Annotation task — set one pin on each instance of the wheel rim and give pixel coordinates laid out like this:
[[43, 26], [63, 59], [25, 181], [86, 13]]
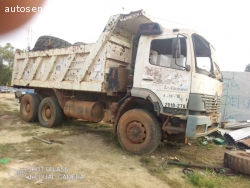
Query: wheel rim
[[46, 113], [136, 132], [27, 107]]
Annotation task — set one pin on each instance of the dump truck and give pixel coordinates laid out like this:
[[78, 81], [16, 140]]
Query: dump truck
[[150, 83]]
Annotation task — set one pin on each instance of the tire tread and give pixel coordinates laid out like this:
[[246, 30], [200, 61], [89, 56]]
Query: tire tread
[[49, 42], [156, 130]]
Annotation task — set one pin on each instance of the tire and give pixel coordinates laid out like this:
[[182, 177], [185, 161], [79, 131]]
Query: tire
[[238, 161], [49, 113], [142, 122], [49, 42], [29, 107], [41, 97], [78, 43]]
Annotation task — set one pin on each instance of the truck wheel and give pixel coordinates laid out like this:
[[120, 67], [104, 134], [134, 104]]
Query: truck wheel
[[29, 107], [139, 131], [238, 161], [49, 42], [50, 113]]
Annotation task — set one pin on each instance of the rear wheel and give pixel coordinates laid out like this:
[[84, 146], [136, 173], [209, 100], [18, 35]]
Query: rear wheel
[[50, 113], [29, 107], [139, 131]]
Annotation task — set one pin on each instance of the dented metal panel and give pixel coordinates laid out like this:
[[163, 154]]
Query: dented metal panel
[[170, 85]]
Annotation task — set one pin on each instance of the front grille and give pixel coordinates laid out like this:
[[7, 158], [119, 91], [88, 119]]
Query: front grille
[[211, 105]]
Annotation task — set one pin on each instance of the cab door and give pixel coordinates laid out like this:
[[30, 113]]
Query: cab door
[[206, 78], [158, 71]]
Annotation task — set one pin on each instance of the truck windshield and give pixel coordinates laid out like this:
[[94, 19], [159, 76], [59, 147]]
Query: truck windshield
[[161, 53]]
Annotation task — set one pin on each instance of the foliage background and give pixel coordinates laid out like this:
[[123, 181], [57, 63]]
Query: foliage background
[[7, 53]]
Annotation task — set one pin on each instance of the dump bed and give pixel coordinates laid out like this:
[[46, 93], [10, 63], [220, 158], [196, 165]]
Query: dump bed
[[85, 67]]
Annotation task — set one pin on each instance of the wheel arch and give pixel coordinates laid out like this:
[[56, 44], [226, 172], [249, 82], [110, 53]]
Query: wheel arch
[[148, 95]]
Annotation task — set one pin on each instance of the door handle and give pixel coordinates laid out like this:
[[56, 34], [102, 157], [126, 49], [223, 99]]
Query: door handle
[[148, 79]]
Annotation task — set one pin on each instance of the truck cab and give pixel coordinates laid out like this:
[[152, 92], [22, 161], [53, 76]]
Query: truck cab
[[185, 82]]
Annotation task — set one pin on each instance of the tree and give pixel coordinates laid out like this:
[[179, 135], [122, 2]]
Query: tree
[[7, 54], [247, 69]]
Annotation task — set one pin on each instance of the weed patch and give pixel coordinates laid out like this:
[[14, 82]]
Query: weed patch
[[210, 179], [159, 170], [5, 149]]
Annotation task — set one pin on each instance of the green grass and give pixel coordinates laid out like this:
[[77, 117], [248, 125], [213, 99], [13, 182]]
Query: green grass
[[199, 142], [201, 178], [30, 127], [159, 170], [28, 134], [39, 150], [2, 106], [77, 127], [210, 179], [5, 149], [9, 113], [146, 161]]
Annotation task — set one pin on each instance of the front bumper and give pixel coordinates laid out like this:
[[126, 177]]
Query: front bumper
[[201, 125]]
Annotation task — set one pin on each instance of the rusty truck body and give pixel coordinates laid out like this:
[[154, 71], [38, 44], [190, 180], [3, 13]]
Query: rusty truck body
[[151, 83]]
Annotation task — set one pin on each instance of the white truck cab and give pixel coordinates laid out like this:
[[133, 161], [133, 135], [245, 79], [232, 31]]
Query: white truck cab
[[187, 85]]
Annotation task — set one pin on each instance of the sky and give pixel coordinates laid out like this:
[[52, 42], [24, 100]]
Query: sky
[[224, 23]]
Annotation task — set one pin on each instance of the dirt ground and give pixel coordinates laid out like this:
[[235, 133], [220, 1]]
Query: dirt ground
[[86, 155]]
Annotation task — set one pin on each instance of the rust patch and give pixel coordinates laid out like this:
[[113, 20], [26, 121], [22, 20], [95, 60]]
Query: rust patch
[[121, 111], [91, 111], [136, 132], [172, 78]]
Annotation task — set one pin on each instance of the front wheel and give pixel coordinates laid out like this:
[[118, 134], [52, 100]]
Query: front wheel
[[139, 131], [50, 113]]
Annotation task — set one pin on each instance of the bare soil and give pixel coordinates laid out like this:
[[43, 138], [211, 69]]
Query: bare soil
[[95, 156], [88, 155]]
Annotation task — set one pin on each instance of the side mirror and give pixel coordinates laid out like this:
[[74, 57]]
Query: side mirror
[[176, 50]]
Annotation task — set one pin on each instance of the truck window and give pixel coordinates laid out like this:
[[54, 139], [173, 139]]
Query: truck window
[[202, 55], [161, 53]]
